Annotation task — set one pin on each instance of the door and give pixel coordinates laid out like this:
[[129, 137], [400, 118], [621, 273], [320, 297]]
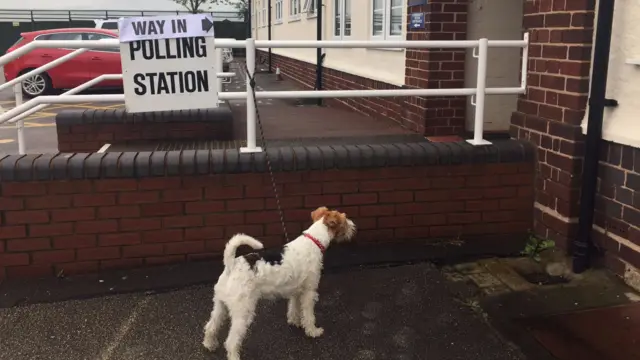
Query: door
[[70, 73], [104, 61]]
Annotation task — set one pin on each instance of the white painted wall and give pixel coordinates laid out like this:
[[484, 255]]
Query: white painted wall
[[386, 65], [495, 20], [621, 124]]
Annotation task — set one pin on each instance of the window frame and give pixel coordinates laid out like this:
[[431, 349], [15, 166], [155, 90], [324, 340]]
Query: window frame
[[311, 10], [104, 36], [278, 11], [295, 5], [342, 4], [47, 37], [263, 12], [386, 22]]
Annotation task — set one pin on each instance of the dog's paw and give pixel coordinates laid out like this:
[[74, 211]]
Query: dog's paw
[[314, 332], [210, 344], [294, 322]]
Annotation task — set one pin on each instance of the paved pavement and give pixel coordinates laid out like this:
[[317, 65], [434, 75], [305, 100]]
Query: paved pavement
[[405, 312], [301, 118]]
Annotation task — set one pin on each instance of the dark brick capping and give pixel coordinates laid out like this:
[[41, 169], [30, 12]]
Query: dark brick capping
[[34, 167], [120, 116], [88, 130], [73, 213]]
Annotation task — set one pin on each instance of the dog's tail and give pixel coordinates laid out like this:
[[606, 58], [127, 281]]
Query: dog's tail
[[233, 244]]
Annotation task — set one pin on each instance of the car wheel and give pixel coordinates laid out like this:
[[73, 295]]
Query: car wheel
[[36, 85]]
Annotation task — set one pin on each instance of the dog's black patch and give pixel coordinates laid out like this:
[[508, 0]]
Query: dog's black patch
[[272, 256]]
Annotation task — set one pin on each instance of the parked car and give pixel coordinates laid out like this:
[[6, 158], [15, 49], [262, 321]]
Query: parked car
[[74, 72], [107, 24], [71, 73]]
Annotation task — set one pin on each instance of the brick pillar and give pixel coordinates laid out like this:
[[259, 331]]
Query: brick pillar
[[551, 112], [437, 69]]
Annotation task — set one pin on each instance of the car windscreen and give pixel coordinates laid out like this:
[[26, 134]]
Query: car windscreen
[[110, 25]]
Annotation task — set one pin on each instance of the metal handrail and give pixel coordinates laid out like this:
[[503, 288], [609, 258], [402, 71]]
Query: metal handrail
[[477, 94]]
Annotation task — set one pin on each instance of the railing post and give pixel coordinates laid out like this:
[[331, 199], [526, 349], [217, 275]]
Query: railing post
[[525, 63], [481, 86], [251, 100], [219, 68], [22, 146]]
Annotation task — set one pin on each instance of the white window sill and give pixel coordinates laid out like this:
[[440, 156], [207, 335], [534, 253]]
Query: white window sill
[[312, 16], [277, 22], [294, 18]]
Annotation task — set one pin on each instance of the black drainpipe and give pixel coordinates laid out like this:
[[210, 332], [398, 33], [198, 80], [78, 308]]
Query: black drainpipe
[[248, 19], [269, 31], [582, 244], [319, 57]]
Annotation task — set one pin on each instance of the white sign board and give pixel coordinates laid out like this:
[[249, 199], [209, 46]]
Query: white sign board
[[165, 27], [166, 72]]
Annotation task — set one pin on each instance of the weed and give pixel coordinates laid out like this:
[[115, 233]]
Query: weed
[[535, 246]]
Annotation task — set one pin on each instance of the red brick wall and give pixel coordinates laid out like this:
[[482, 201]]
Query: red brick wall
[[551, 112], [617, 218], [91, 137], [438, 68], [81, 226], [305, 74]]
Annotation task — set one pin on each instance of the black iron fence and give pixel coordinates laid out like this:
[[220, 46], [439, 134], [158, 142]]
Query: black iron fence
[[228, 24]]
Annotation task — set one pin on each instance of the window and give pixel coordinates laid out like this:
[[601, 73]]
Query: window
[[278, 11], [295, 8], [60, 36], [386, 19], [265, 19], [310, 7], [99, 36], [341, 18]]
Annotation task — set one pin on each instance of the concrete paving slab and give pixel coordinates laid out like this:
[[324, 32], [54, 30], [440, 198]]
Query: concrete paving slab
[[404, 312]]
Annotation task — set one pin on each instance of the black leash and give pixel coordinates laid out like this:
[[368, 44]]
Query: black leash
[[252, 82]]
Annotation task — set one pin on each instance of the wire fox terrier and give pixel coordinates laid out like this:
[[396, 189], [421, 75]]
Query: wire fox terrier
[[292, 273]]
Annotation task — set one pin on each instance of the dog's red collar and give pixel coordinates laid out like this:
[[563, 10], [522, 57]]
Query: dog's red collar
[[315, 241]]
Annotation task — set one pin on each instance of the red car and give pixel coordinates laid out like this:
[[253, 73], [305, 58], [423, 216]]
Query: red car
[[71, 73]]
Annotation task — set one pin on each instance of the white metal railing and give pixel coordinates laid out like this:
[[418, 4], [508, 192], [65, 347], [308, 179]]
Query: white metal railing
[[481, 48]]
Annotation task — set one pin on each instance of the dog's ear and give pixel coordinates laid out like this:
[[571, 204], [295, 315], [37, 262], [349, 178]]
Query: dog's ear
[[318, 213]]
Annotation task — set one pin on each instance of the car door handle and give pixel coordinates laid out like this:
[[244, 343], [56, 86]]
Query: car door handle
[[96, 58], [47, 56]]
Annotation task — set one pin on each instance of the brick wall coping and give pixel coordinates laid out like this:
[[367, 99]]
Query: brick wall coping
[[70, 166], [120, 116]]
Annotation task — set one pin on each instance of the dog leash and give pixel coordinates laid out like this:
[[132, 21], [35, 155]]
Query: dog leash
[[252, 82]]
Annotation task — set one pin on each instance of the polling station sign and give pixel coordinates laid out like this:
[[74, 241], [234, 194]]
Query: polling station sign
[[164, 68], [165, 27]]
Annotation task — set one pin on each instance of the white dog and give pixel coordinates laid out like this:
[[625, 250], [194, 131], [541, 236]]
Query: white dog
[[293, 273]]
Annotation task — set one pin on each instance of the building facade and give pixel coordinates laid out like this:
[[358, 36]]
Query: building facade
[[552, 114], [389, 68]]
